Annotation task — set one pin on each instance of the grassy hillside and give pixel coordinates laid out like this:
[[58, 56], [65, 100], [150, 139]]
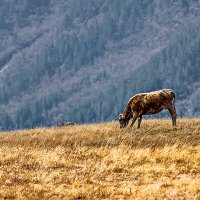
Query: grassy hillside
[[101, 161]]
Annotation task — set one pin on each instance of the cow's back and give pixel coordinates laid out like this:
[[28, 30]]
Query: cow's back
[[152, 102]]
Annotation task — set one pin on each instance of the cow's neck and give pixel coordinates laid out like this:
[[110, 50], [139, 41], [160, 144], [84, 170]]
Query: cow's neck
[[127, 112]]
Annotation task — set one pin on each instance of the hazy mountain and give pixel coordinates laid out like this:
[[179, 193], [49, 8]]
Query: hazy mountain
[[75, 60]]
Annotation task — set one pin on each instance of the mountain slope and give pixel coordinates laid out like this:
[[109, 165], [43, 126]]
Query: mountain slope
[[77, 61]]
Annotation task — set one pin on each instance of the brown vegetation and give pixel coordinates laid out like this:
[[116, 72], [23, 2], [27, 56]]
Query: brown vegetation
[[102, 161]]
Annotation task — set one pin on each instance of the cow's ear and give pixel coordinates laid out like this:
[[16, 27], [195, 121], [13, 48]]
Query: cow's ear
[[121, 116]]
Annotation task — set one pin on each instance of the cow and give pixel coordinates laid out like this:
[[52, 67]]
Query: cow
[[146, 104]]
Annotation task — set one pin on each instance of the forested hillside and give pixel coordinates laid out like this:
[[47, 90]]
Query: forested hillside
[[81, 61]]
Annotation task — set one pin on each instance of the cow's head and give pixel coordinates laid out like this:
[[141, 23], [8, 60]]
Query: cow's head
[[123, 121]]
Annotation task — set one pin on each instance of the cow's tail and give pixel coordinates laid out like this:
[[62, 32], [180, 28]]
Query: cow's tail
[[173, 94]]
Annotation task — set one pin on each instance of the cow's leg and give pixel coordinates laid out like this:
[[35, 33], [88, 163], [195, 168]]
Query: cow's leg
[[139, 121], [134, 119], [173, 114]]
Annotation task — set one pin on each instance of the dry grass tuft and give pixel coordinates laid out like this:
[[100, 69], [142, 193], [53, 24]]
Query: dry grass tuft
[[101, 161]]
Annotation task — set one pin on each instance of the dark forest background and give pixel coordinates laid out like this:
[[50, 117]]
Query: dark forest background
[[80, 61]]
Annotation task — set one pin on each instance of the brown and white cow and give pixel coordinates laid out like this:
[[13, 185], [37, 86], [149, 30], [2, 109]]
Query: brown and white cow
[[148, 103]]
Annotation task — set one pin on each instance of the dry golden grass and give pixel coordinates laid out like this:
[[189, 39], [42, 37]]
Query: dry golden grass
[[101, 161]]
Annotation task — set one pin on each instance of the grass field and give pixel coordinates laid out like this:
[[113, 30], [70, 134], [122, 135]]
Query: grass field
[[101, 161]]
